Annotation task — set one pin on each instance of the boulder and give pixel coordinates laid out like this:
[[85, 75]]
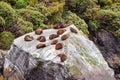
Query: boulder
[[82, 59]]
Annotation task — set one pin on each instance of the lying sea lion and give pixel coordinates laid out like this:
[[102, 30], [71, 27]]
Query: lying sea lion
[[28, 38], [65, 36], [73, 30], [39, 31], [54, 42], [40, 46], [52, 36], [63, 57], [64, 25], [41, 39], [61, 31], [59, 46], [56, 26]]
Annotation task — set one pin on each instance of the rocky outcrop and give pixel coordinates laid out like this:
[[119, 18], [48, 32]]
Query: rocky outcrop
[[109, 46], [75, 58]]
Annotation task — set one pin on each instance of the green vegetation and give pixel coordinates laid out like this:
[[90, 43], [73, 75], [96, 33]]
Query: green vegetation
[[6, 39], [23, 16]]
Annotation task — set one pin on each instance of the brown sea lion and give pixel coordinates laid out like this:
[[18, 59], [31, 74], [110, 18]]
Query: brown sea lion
[[28, 38], [59, 46], [64, 25], [40, 46], [73, 30], [52, 36], [63, 57], [56, 26], [61, 31], [54, 42], [41, 39], [65, 36], [39, 31]]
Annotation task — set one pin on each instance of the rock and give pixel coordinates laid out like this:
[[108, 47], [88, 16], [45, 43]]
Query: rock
[[81, 59], [109, 46]]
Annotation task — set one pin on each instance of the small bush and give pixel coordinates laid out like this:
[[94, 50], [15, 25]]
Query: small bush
[[7, 13], [6, 39], [2, 21], [21, 4], [105, 2], [72, 18], [35, 17]]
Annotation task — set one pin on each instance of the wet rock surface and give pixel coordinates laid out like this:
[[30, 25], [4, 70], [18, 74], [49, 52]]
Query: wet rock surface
[[77, 59], [109, 46]]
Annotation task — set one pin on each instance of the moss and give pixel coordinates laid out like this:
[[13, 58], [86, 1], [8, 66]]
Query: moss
[[89, 59], [72, 18], [74, 69], [7, 13], [6, 39]]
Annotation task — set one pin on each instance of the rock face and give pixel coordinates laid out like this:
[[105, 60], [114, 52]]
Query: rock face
[[109, 46], [82, 59]]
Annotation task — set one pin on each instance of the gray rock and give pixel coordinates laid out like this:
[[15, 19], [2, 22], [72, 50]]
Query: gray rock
[[84, 61]]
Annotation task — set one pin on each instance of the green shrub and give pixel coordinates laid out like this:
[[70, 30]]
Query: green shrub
[[21, 4], [94, 25], [35, 17], [33, 2], [72, 18], [2, 21], [80, 6], [6, 39], [105, 2], [7, 13]]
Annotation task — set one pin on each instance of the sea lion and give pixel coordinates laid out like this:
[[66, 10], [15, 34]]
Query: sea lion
[[39, 31], [52, 36], [41, 39], [54, 42], [64, 25], [59, 46], [28, 38], [40, 46], [56, 26], [63, 57], [73, 30], [61, 31], [65, 36]]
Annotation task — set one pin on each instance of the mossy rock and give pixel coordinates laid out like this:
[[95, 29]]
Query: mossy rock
[[6, 39]]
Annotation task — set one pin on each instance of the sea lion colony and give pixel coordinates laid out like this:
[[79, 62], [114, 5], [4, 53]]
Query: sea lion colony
[[55, 42]]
